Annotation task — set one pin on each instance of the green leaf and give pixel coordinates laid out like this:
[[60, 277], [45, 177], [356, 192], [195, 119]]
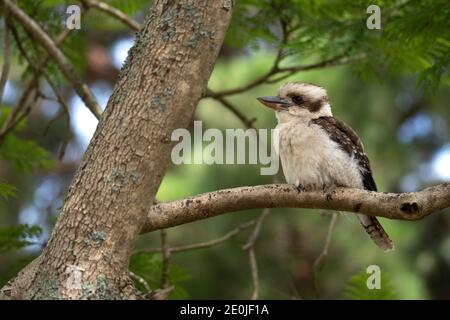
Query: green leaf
[[7, 190], [413, 38], [24, 154], [150, 266], [357, 289], [17, 237], [130, 7]]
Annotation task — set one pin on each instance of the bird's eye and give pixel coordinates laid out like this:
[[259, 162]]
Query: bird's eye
[[297, 99]]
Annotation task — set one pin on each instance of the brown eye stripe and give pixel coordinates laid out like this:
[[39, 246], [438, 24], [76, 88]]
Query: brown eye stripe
[[313, 106]]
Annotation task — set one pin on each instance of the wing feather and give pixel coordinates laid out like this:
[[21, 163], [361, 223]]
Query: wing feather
[[349, 141]]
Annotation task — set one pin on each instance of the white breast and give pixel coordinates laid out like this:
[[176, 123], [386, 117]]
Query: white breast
[[312, 160]]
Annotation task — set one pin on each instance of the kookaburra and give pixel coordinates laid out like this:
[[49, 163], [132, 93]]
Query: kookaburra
[[320, 152]]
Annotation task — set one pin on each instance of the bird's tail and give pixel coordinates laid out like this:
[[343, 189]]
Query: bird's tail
[[376, 232]]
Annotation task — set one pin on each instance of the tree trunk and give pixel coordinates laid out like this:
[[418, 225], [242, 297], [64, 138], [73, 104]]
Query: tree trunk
[[164, 77]]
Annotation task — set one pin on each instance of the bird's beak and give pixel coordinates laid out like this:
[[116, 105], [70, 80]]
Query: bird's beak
[[275, 103]]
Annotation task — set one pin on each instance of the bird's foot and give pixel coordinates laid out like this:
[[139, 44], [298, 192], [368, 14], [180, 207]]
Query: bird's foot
[[301, 188], [329, 192], [329, 196]]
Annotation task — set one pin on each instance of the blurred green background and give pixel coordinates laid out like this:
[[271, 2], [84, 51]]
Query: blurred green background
[[401, 112]]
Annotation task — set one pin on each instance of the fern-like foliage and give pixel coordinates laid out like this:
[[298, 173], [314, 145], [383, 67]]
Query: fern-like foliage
[[357, 289], [6, 190], [414, 36], [17, 237], [150, 266], [24, 154]]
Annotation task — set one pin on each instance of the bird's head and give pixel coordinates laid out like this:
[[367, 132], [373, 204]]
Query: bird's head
[[296, 99]]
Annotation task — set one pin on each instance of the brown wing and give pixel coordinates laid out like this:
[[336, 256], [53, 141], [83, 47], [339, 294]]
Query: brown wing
[[349, 141]]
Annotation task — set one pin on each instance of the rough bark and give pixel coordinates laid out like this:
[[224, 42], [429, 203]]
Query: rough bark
[[165, 75], [401, 206]]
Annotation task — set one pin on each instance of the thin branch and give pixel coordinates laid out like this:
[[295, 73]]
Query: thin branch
[[166, 256], [28, 105], [258, 81], [140, 280], [250, 248], [6, 57], [254, 272], [59, 98], [44, 73], [21, 103], [114, 12], [324, 253], [160, 294], [269, 77], [248, 123], [207, 244], [326, 247], [401, 206], [57, 55], [251, 241], [262, 79], [336, 61]]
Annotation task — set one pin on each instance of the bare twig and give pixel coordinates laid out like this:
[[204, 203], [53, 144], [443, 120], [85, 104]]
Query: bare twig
[[63, 63], [28, 88], [59, 98], [140, 280], [207, 244], [262, 79], [401, 206], [251, 241], [254, 272], [336, 61], [248, 123], [6, 56], [324, 253], [166, 256], [250, 248], [35, 100], [160, 294], [326, 247], [277, 73], [114, 12]]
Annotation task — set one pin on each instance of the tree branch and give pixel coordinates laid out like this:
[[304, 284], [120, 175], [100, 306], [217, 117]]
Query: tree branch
[[63, 63], [250, 248], [269, 77], [114, 12], [402, 206], [336, 61], [248, 123], [6, 57], [254, 271], [324, 253], [59, 99], [166, 256], [22, 102], [140, 280], [207, 244]]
